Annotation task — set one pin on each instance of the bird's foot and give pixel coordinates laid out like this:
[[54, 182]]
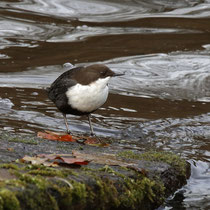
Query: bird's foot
[[93, 135], [69, 132]]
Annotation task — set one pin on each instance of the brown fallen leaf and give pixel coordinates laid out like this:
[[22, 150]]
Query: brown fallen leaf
[[55, 136], [43, 135], [33, 160], [94, 141], [76, 161], [78, 158], [10, 149], [50, 135], [54, 160], [91, 140]]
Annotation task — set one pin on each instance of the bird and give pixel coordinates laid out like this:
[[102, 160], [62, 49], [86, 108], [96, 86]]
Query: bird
[[81, 91]]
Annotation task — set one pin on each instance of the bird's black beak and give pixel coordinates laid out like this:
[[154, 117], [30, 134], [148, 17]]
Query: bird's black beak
[[116, 74]]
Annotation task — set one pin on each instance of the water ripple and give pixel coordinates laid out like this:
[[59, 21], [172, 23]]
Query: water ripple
[[173, 76], [26, 33], [82, 32], [104, 11]]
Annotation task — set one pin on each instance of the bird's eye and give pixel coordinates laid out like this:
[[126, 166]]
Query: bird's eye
[[103, 73]]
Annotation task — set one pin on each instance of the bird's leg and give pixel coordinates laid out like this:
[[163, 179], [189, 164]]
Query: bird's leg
[[91, 127], [66, 123]]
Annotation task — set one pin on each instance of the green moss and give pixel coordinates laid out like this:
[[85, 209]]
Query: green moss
[[166, 157], [36, 189], [128, 154], [14, 183], [47, 172], [107, 169], [33, 197], [79, 193], [138, 190], [24, 179], [34, 192], [169, 158], [9, 166], [105, 187], [63, 194], [132, 194], [74, 194], [121, 192], [38, 181], [34, 166], [135, 191], [8, 200], [24, 141], [107, 194], [1, 203]]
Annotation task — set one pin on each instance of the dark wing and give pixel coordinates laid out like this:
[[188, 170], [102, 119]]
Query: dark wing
[[57, 93], [59, 88], [61, 84]]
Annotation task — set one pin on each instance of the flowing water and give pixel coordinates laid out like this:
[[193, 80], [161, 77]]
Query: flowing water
[[162, 46]]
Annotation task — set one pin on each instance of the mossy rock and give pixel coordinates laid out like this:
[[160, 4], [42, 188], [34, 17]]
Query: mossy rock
[[94, 186], [156, 175], [8, 200]]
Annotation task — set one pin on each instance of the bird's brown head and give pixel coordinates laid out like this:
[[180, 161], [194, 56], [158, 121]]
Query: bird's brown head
[[93, 72]]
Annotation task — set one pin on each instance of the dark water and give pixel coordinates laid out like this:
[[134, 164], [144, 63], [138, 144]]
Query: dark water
[[162, 46]]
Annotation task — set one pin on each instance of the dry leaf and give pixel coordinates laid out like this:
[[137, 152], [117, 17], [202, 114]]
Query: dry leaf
[[50, 135], [54, 160], [55, 136], [94, 141], [33, 160], [76, 161], [10, 149]]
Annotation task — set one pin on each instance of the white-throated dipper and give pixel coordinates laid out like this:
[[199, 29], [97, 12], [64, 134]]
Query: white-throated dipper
[[81, 91]]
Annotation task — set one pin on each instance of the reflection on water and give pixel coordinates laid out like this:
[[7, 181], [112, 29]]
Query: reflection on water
[[169, 76], [173, 76], [195, 195], [108, 11], [161, 102], [197, 190]]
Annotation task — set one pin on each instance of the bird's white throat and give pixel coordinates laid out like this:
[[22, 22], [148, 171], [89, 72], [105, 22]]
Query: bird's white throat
[[87, 98]]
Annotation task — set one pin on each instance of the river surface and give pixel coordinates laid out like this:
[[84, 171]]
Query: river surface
[[162, 102]]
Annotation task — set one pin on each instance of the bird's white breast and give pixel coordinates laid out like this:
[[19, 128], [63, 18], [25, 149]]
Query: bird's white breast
[[87, 98]]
